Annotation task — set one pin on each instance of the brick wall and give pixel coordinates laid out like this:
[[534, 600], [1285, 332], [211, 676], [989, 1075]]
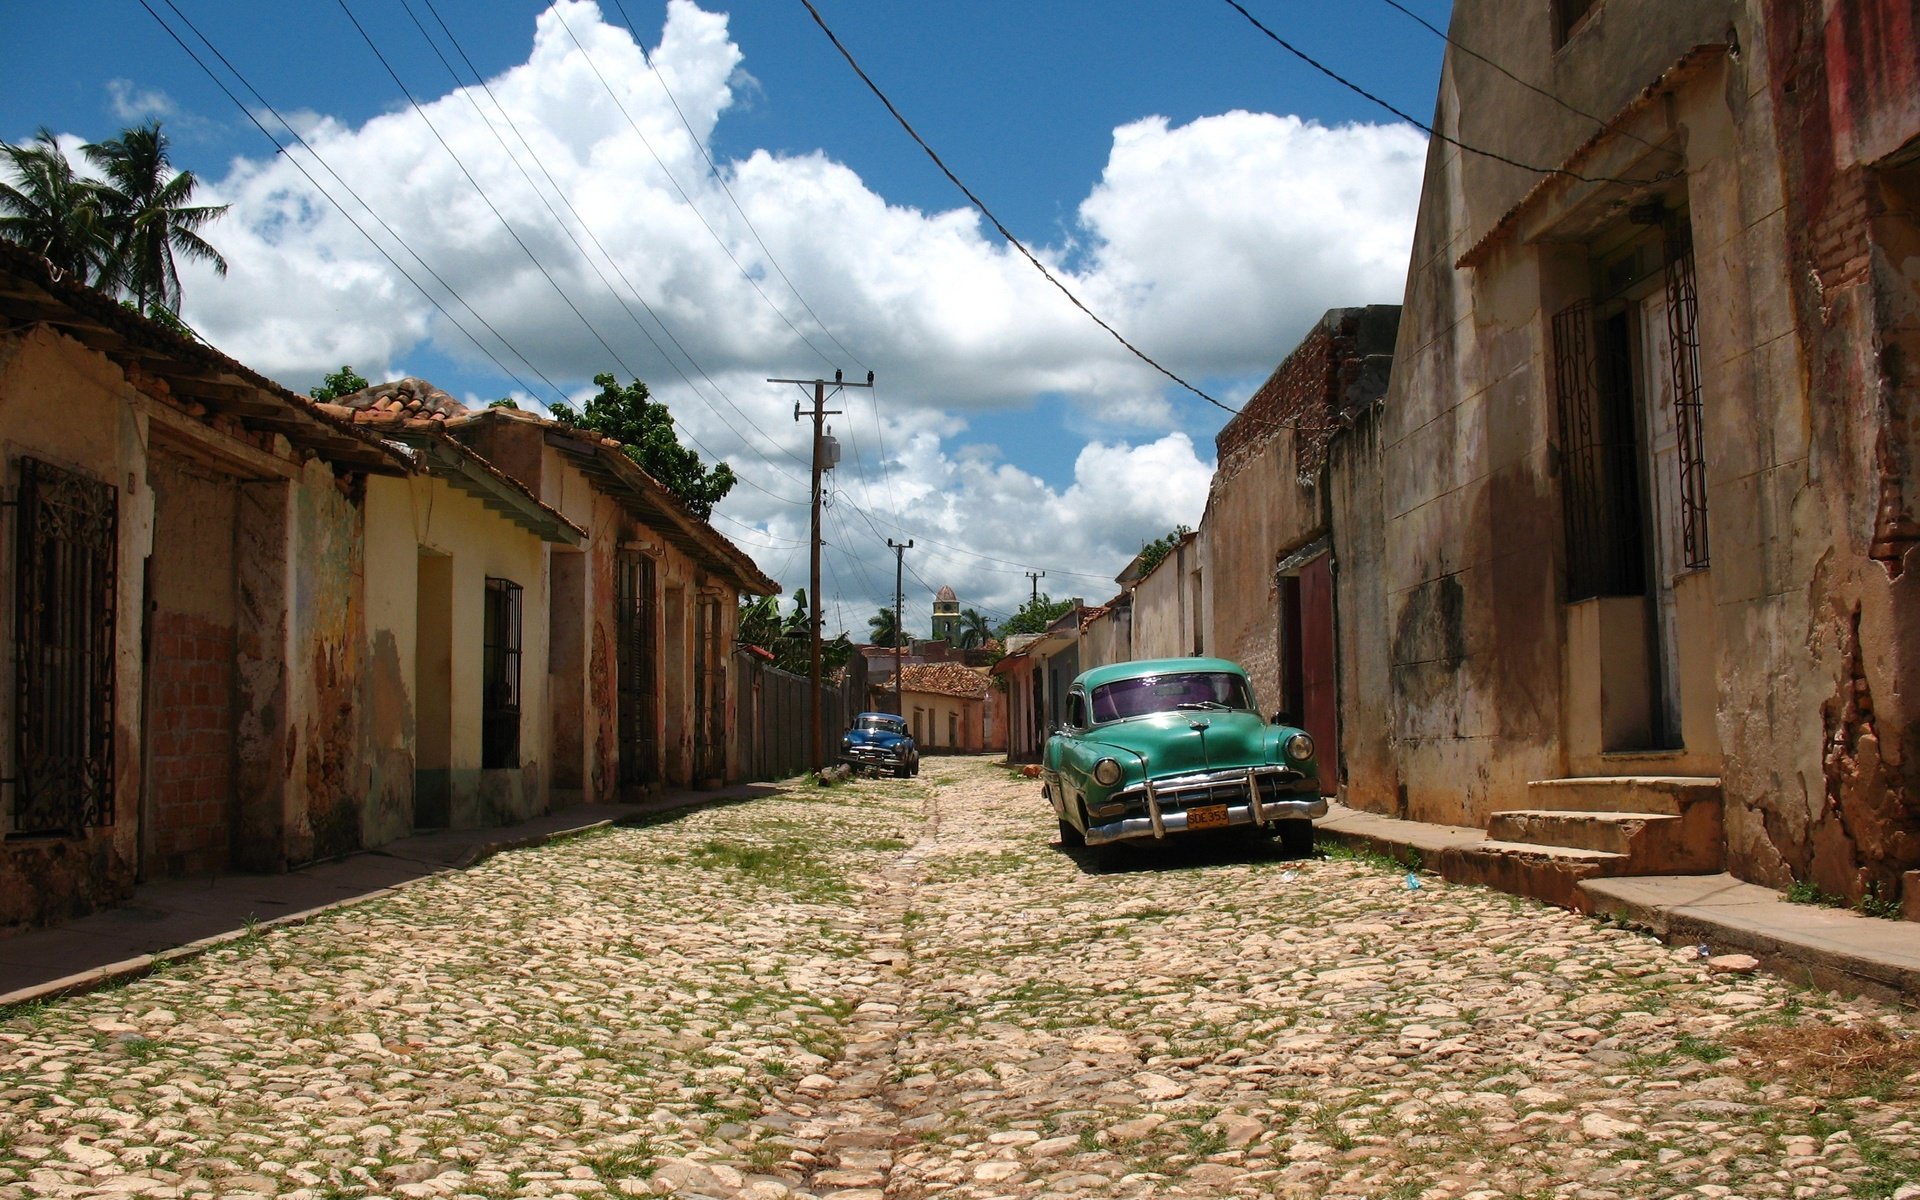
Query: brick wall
[[190, 734], [1338, 368]]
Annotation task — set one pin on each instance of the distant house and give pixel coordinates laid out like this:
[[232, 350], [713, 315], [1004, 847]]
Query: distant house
[[944, 704]]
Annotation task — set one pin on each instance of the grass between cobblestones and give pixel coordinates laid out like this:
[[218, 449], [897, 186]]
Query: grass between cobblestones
[[587, 1017]]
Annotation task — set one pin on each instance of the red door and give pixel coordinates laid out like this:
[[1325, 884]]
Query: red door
[[1319, 691]]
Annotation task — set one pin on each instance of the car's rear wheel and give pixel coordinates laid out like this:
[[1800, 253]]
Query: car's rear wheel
[[1296, 839]]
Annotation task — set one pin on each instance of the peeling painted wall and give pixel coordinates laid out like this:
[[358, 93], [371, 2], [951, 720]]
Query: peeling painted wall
[[64, 404]]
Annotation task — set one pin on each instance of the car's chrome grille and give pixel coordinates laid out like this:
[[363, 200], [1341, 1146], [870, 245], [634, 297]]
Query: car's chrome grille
[[1215, 787]]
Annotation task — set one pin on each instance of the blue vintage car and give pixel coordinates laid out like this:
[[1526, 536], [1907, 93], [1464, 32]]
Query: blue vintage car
[[1174, 746], [880, 742]]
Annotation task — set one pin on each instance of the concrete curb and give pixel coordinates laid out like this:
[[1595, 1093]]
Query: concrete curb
[[1833, 949]]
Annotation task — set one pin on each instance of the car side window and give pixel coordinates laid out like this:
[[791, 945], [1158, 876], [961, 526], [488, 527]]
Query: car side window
[[1077, 710]]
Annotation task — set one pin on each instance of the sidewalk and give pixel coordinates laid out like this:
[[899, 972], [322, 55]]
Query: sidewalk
[[179, 918], [1823, 947]]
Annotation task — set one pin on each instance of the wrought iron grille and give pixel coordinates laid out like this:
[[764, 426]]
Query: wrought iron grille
[[638, 673], [66, 549], [500, 677], [1683, 343], [1597, 475]]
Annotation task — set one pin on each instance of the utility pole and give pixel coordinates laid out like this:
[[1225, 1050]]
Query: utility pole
[[820, 413], [899, 621], [1036, 577]]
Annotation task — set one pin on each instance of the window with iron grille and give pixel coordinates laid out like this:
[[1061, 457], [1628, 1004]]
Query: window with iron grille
[[500, 677], [1683, 346], [66, 545]]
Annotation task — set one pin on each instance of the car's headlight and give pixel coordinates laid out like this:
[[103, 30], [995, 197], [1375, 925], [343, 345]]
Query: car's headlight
[[1106, 772], [846, 743], [1299, 747], [899, 749]]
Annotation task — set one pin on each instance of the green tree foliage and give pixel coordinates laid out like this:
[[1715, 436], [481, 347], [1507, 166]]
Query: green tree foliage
[[974, 628], [1152, 552], [785, 637], [121, 232], [644, 428], [884, 626], [343, 382], [53, 212], [1034, 616], [504, 402], [150, 216]]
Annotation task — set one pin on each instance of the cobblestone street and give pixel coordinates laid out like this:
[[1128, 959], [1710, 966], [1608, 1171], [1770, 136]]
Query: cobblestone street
[[903, 988]]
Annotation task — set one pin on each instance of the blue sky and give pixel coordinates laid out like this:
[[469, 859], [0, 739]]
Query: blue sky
[[1201, 189]]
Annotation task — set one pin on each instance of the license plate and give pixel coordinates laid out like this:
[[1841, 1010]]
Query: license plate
[[1207, 816]]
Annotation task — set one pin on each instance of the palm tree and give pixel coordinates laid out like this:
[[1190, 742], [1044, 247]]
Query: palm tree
[[53, 212], [147, 207], [974, 628], [885, 626]]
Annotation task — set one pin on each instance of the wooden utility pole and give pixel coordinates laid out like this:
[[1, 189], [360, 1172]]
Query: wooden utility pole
[[1036, 577], [899, 621], [820, 413]]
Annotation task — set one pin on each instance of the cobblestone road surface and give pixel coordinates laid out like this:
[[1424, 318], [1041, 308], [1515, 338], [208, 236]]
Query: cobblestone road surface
[[902, 989]]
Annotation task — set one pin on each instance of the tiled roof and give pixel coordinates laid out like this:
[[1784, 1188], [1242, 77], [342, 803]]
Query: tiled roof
[[459, 464], [943, 679]]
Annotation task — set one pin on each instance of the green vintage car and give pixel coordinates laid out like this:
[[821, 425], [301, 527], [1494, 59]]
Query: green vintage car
[[1171, 746]]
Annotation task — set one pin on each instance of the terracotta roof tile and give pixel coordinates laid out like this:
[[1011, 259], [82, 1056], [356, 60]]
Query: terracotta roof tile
[[943, 679]]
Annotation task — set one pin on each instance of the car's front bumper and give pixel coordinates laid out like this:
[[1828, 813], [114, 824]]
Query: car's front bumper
[[860, 756], [1256, 796]]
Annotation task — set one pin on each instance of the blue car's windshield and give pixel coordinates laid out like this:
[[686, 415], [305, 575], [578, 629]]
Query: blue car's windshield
[[1164, 693], [882, 725]]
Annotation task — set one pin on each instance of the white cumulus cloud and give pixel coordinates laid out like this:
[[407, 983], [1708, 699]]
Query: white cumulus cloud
[[570, 225]]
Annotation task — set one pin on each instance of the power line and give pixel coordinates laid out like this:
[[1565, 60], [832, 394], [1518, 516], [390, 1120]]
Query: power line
[[1532, 87], [482, 192], [722, 181], [661, 163], [998, 225], [329, 197], [1422, 126], [584, 226]]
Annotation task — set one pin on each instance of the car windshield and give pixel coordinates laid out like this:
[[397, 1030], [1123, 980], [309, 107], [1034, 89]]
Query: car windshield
[[1164, 693], [882, 725]]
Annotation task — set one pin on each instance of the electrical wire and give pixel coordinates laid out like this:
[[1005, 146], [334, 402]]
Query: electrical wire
[[718, 240], [722, 181], [1532, 87], [585, 228], [329, 197], [482, 192], [998, 225], [1422, 126]]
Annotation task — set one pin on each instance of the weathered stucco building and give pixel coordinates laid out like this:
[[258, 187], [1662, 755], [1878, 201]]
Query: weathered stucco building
[[181, 615], [1650, 516], [244, 631]]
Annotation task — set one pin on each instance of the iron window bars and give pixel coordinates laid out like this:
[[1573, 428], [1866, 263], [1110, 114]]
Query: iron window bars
[[500, 677], [66, 548]]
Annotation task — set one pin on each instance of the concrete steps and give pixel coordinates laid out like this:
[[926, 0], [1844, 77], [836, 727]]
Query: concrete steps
[[1605, 826]]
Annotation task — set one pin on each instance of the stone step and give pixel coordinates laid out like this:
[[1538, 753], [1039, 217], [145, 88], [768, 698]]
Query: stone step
[[1654, 843], [1676, 795], [1549, 873]]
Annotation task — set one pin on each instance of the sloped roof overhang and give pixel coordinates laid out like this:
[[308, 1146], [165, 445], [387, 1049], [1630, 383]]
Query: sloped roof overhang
[[194, 373], [649, 501]]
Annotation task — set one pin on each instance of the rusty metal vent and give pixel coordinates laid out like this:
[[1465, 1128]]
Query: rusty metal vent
[[66, 545]]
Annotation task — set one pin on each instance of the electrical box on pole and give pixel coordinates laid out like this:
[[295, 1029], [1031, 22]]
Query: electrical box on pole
[[820, 441]]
